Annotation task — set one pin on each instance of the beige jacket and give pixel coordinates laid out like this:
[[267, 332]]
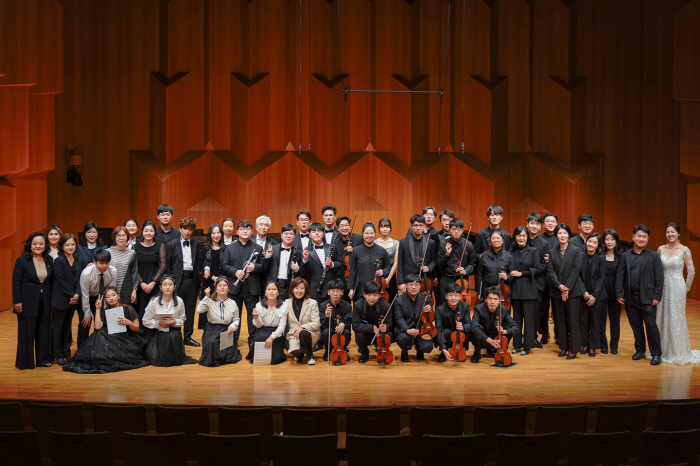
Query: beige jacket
[[308, 320]]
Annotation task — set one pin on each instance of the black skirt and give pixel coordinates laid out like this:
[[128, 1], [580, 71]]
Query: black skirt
[[102, 353], [166, 348], [263, 333], [211, 355]]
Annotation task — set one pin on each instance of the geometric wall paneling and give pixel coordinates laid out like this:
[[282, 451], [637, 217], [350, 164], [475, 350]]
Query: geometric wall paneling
[[42, 133], [690, 137], [7, 262], [686, 57], [8, 194], [14, 129]]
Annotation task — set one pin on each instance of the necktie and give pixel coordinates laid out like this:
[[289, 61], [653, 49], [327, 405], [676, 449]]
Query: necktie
[[304, 235], [221, 308], [186, 243], [286, 249], [101, 289]]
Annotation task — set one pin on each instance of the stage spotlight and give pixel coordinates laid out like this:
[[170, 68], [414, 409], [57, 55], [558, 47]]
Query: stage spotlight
[[74, 161]]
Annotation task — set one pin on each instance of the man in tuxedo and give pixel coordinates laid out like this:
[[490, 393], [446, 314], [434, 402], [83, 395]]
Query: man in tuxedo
[[182, 263], [451, 264], [485, 332], [318, 260], [550, 222], [328, 213], [335, 315], [302, 239], [246, 256], [284, 262], [452, 316], [165, 232], [262, 227], [585, 228], [483, 238], [367, 316], [407, 317], [413, 248], [639, 286]]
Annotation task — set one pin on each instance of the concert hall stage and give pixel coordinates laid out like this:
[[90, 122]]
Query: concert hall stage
[[539, 378]]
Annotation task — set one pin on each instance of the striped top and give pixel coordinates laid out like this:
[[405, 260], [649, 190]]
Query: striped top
[[124, 261]]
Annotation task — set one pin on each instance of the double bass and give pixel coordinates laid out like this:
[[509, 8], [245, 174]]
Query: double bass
[[458, 339], [502, 356]]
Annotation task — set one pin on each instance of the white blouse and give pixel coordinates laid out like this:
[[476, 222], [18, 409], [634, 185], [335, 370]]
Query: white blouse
[[271, 317], [215, 315], [154, 308]]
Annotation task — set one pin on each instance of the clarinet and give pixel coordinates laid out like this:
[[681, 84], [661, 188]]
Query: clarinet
[[293, 258], [325, 269], [245, 266]]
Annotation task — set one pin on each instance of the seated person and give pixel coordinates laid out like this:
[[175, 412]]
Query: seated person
[[269, 319], [485, 333], [165, 315], [407, 319], [367, 318], [329, 311], [222, 316], [304, 323], [452, 316], [103, 352]]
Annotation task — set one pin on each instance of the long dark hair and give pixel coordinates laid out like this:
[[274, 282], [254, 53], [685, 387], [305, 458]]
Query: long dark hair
[[148, 223], [209, 240], [601, 246], [159, 297], [614, 234], [519, 229], [89, 226], [28, 246], [263, 301]]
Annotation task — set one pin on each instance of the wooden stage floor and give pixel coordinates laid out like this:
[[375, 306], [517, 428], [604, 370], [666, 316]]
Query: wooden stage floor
[[539, 378]]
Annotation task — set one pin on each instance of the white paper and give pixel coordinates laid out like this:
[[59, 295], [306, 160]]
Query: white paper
[[112, 315], [225, 341], [159, 317], [263, 356]]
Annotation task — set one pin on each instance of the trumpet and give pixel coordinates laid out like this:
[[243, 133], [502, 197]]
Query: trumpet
[[245, 266]]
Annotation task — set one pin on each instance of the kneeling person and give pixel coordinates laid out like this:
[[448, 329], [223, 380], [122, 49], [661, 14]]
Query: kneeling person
[[452, 316], [485, 332], [408, 308], [367, 318], [223, 316], [329, 310]]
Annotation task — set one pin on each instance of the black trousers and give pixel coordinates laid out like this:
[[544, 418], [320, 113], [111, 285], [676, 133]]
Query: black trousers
[[543, 304], [34, 337], [324, 337], [524, 314], [596, 314], [639, 316], [611, 310], [187, 291], [584, 315], [62, 320], [404, 340], [250, 300], [479, 344], [306, 343], [568, 323], [447, 335], [84, 332], [283, 287], [363, 340]]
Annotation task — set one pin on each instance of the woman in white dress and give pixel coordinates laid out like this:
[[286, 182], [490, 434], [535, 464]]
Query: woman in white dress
[[670, 314]]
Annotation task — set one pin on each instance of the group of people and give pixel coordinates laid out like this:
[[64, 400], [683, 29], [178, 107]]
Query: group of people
[[323, 280]]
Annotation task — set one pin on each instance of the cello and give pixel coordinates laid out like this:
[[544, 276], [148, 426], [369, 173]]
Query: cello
[[457, 351], [502, 356], [464, 295], [338, 356], [384, 354]]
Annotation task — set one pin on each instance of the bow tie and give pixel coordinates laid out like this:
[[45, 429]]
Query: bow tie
[[304, 235], [186, 243], [329, 231], [286, 249], [318, 247]]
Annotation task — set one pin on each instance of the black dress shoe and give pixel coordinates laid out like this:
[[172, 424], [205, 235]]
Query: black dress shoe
[[363, 358], [404, 355], [544, 339], [525, 352], [515, 351], [637, 356], [420, 356], [591, 353], [316, 347], [442, 357], [562, 353], [613, 351], [571, 356], [656, 360], [538, 344], [584, 350], [60, 361], [46, 364], [325, 356], [191, 342], [604, 351], [476, 358]]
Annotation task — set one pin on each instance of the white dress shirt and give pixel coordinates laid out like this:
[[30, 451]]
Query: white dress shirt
[[284, 263], [216, 314], [229, 240], [154, 307], [90, 285], [305, 241], [275, 317], [186, 254]]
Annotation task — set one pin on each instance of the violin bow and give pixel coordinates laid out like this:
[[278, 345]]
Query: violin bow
[[384, 318]]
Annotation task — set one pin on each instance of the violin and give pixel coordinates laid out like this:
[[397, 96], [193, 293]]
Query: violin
[[465, 297], [338, 356], [504, 292], [384, 354], [457, 352], [428, 331], [346, 259], [382, 281], [502, 356]]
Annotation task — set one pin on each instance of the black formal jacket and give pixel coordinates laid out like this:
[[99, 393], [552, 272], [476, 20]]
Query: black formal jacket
[[447, 265], [406, 317], [268, 241], [173, 260], [532, 265], [651, 278], [599, 274], [83, 254], [484, 323], [340, 245], [364, 318], [27, 289], [406, 265], [297, 241], [235, 257], [274, 263], [488, 269], [363, 266], [343, 309], [542, 244], [550, 239], [446, 319], [483, 240], [312, 270], [66, 282], [579, 243], [565, 270], [611, 276]]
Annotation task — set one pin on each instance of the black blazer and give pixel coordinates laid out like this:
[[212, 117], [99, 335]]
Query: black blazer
[[406, 265], [406, 317], [340, 246], [297, 242], [364, 318], [483, 240], [565, 270], [541, 243], [484, 323], [363, 266], [612, 275], [234, 260], [532, 265], [343, 310], [445, 319], [66, 281], [488, 269], [27, 289], [312, 271], [651, 278], [173, 260], [84, 256], [274, 263], [599, 275]]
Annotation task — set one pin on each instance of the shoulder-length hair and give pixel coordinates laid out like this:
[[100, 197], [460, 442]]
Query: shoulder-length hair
[[28, 245], [63, 241], [160, 292], [519, 229], [89, 226], [263, 301], [616, 237], [299, 281], [119, 299]]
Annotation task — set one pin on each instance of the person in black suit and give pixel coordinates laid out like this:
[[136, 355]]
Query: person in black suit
[[302, 239], [594, 276], [446, 216], [367, 316], [335, 316], [639, 285], [485, 332], [408, 309], [492, 263], [89, 243], [613, 259], [346, 241], [586, 223], [566, 289], [550, 222], [534, 225], [526, 267], [363, 262], [262, 227], [245, 256], [318, 261], [284, 262], [451, 264], [483, 238], [328, 213], [165, 233], [429, 216], [65, 294], [412, 249], [182, 263], [31, 295], [452, 316]]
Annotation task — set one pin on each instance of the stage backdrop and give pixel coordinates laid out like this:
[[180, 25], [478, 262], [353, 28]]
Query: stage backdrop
[[561, 105]]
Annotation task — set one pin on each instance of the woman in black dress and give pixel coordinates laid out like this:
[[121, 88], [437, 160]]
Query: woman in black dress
[[65, 295], [223, 316], [363, 262], [491, 264], [31, 295], [528, 263], [103, 352], [594, 276], [612, 308], [210, 258], [270, 318], [150, 259]]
